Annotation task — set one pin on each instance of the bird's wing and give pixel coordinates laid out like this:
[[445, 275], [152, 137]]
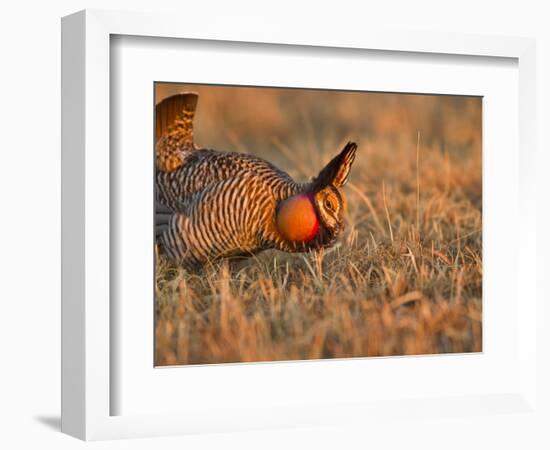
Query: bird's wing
[[221, 220]]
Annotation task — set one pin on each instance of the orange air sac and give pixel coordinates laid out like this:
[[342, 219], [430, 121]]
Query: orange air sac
[[296, 219]]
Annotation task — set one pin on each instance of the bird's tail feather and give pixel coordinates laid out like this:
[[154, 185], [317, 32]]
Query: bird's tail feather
[[174, 129]]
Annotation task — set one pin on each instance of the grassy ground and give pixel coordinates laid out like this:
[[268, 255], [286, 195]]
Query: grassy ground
[[406, 275]]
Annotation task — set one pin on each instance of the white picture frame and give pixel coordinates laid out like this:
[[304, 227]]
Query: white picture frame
[[87, 328]]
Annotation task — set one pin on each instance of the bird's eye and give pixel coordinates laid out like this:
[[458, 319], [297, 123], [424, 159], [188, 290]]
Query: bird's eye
[[328, 205]]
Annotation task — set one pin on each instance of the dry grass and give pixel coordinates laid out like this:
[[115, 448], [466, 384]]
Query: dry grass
[[405, 277]]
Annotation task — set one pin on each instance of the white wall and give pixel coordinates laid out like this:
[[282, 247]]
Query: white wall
[[30, 195]]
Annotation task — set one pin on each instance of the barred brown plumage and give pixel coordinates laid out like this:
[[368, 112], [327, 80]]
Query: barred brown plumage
[[213, 204]]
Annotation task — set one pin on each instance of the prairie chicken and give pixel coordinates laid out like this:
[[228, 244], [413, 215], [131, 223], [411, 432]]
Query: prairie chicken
[[212, 204]]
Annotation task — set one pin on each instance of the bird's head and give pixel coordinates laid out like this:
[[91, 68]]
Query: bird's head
[[315, 217]]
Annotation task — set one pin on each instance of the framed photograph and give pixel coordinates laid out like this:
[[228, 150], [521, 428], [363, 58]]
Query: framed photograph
[[267, 229]]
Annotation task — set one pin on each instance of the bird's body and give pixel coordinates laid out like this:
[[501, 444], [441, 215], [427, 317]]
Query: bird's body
[[213, 204], [226, 204]]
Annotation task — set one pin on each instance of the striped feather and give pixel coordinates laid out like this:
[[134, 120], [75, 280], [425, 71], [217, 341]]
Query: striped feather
[[174, 130]]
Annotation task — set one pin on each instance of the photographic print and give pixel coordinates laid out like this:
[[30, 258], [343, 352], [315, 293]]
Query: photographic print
[[299, 224]]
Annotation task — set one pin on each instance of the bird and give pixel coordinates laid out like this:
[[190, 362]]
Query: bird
[[212, 204]]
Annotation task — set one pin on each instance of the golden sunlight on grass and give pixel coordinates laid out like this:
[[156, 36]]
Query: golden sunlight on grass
[[405, 277]]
